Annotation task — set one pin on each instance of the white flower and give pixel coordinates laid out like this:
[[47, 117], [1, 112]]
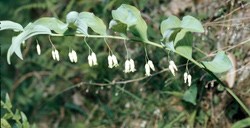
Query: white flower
[[172, 67], [132, 65], [38, 49], [70, 57], [110, 62], [94, 59], [90, 61], [56, 53], [74, 56], [127, 66], [151, 65], [173, 64], [115, 62], [189, 80], [53, 55], [185, 77], [147, 69]]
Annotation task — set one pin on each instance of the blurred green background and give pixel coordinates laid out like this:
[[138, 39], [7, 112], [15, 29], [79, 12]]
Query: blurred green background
[[66, 95]]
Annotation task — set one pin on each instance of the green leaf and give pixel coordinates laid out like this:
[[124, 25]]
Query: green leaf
[[244, 123], [219, 64], [10, 25], [191, 24], [29, 31], [190, 95], [118, 26], [5, 123], [183, 43], [53, 24], [8, 102], [131, 16], [25, 122], [94, 22], [171, 22], [83, 20], [74, 22]]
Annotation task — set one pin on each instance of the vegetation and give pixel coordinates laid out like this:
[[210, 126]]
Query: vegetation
[[125, 64]]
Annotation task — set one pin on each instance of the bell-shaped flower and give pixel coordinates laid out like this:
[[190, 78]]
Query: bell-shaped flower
[[110, 62], [151, 65], [115, 61], [94, 59], [185, 77], [189, 80], [132, 65], [74, 56], [147, 69], [38, 49], [70, 56], [53, 55], [127, 66], [57, 57], [173, 65], [90, 60]]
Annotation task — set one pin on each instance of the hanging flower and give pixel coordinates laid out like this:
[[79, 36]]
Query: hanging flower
[[189, 80], [127, 66], [110, 62], [74, 56], [115, 61], [38, 49], [70, 56], [57, 57], [94, 59], [132, 65], [185, 77], [147, 69], [53, 55], [90, 60], [151, 65], [172, 67]]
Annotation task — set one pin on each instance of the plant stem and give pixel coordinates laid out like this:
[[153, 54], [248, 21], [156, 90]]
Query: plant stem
[[160, 46]]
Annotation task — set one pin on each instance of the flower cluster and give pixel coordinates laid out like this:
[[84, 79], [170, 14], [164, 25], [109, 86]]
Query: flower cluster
[[55, 55], [73, 56], [129, 66], [187, 78], [172, 67], [149, 65], [112, 61], [92, 59]]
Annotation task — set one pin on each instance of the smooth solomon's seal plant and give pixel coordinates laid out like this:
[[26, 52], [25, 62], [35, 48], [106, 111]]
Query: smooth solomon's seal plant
[[127, 22]]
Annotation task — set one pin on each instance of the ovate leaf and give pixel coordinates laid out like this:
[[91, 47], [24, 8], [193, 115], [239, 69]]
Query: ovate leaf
[[183, 43], [131, 16], [81, 22], [191, 24], [29, 31], [171, 22], [53, 24], [75, 23], [221, 63], [94, 22], [190, 95], [10, 25]]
